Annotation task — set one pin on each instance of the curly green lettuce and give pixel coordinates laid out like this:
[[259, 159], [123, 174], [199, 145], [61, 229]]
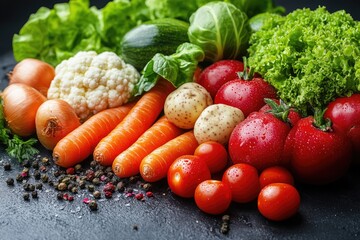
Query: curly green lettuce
[[310, 56]]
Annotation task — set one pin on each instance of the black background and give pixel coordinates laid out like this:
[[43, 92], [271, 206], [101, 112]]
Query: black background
[[328, 212]]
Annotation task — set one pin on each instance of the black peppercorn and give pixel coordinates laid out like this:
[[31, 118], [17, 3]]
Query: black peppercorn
[[60, 196], [39, 186], [34, 194], [91, 188], [19, 177], [26, 196], [35, 164], [10, 182], [37, 175], [26, 163], [7, 166]]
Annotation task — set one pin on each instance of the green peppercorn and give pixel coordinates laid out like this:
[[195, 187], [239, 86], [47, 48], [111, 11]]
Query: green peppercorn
[[78, 168], [45, 161], [66, 180], [147, 186], [99, 173]]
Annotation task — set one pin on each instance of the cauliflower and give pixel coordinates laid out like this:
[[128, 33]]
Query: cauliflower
[[92, 82]]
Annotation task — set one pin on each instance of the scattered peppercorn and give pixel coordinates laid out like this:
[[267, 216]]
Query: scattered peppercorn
[[7, 166], [120, 186], [62, 186], [96, 181], [10, 182], [109, 187], [43, 169], [19, 177], [70, 171], [147, 186], [39, 186], [44, 178], [97, 194], [82, 184], [35, 164], [78, 168], [149, 194], [91, 188], [60, 196], [134, 179], [26, 196], [225, 224], [135, 227], [93, 205], [45, 161], [74, 190], [108, 194], [139, 196], [37, 175], [34, 194], [26, 163]]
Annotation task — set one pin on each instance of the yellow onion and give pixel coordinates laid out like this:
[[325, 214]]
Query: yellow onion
[[20, 103], [55, 118]]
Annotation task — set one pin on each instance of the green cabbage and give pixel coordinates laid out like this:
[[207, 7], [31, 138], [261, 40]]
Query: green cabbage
[[310, 56], [221, 30]]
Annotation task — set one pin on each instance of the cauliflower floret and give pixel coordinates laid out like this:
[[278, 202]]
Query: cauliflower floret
[[92, 82]]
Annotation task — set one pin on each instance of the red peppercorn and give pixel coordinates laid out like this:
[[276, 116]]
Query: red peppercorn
[[108, 194], [149, 194], [109, 187], [70, 171], [139, 196], [86, 200]]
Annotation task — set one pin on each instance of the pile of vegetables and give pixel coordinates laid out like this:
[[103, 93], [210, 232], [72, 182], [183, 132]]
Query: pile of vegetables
[[187, 109]]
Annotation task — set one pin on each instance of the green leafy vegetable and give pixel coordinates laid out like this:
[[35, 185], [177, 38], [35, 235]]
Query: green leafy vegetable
[[15, 146], [310, 56], [177, 68], [221, 30], [53, 35]]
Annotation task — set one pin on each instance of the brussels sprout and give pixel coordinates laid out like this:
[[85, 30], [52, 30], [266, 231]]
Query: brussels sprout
[[221, 30]]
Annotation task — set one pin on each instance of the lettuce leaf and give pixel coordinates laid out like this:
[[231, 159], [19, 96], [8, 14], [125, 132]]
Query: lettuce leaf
[[310, 56]]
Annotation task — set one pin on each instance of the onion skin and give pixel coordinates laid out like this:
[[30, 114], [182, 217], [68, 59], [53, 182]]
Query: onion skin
[[55, 118], [20, 103], [34, 73]]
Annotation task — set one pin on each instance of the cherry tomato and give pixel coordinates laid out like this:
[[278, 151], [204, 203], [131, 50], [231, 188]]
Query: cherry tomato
[[185, 173], [243, 180], [214, 154], [278, 201], [213, 196], [218, 73], [275, 174]]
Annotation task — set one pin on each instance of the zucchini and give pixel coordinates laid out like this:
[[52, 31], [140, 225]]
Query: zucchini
[[141, 43]]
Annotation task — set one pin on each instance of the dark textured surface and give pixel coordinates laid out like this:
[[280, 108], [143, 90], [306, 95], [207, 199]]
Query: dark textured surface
[[330, 212]]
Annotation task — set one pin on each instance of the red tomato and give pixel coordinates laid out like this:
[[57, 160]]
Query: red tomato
[[278, 201], [275, 174], [247, 95], [185, 173], [218, 73], [293, 115], [344, 114], [316, 156], [214, 154], [243, 180], [213, 196], [259, 141]]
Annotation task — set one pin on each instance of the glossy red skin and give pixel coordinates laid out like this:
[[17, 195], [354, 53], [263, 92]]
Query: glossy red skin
[[247, 95], [243, 180], [218, 73], [344, 114], [275, 174], [259, 141], [317, 157], [214, 154], [213, 197], [185, 173], [293, 116], [278, 201]]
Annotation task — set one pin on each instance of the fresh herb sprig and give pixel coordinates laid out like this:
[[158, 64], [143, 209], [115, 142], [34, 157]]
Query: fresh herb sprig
[[16, 147]]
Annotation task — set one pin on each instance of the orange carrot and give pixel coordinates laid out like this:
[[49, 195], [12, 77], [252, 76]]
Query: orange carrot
[[155, 166], [140, 118], [81, 142], [127, 163]]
